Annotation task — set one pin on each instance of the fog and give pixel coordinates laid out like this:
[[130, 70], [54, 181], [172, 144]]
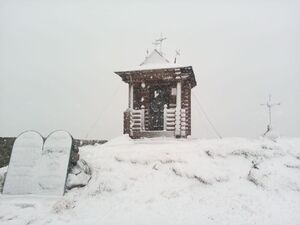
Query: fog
[[57, 60]]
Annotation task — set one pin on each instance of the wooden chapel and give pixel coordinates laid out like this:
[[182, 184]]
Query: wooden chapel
[[159, 102]]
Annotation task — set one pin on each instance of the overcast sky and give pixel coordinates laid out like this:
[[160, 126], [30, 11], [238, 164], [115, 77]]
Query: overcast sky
[[57, 60]]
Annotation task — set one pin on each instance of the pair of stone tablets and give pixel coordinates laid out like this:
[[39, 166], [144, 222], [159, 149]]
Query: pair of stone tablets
[[39, 167]]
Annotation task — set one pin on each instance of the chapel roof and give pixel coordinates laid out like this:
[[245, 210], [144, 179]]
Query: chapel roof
[[155, 61], [154, 58]]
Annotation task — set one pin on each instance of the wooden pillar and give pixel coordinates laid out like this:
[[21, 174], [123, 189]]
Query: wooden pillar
[[178, 107], [130, 96], [130, 106], [165, 117], [142, 118], [129, 93]]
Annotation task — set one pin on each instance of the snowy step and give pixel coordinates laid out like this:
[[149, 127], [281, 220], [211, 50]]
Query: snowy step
[[152, 134]]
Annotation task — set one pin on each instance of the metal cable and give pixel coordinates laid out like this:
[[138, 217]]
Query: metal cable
[[206, 116], [103, 111]]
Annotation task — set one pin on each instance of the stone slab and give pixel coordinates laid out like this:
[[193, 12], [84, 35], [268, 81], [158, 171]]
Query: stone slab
[[53, 164], [21, 176]]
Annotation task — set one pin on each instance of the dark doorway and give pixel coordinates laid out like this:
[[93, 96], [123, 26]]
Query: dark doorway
[[159, 96]]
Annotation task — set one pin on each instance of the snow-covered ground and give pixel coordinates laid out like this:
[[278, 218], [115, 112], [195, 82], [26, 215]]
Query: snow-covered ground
[[175, 182]]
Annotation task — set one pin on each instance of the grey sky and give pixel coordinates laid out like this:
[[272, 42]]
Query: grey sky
[[57, 60]]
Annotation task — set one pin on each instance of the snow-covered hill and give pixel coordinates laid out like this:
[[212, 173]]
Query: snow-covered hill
[[168, 182]]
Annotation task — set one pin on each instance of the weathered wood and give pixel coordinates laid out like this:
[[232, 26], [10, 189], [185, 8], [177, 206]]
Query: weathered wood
[[126, 127], [168, 74], [176, 83]]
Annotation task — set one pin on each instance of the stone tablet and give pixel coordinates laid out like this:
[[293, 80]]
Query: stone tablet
[[53, 164], [21, 175]]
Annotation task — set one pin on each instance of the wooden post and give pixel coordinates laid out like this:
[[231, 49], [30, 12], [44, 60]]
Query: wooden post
[[130, 106], [131, 123], [178, 107], [129, 93], [183, 123], [165, 117], [142, 117], [130, 97]]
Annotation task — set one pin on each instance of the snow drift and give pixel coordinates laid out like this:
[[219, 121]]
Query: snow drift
[[168, 181]]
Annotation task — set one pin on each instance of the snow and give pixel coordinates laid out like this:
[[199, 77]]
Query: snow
[[154, 57], [154, 66], [154, 61], [167, 181], [79, 175]]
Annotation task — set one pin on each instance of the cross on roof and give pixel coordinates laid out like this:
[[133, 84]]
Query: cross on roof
[[158, 42]]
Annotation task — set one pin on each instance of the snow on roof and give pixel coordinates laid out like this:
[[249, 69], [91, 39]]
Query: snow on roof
[[155, 60]]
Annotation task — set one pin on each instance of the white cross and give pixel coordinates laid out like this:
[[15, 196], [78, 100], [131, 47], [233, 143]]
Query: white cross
[[158, 42], [269, 105]]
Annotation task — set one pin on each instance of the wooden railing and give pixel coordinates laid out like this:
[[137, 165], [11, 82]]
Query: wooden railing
[[136, 120], [183, 122], [169, 119]]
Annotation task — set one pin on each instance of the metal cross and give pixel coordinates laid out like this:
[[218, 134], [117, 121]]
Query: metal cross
[[269, 105], [159, 42]]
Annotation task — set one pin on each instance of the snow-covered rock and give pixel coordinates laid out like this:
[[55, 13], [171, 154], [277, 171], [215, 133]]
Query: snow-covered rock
[[167, 181], [3, 171], [79, 175], [272, 135]]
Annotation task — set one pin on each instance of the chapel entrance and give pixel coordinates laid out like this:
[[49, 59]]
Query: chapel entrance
[[159, 96]]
